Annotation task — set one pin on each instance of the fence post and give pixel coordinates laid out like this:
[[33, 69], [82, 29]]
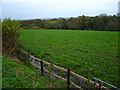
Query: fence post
[[100, 86], [68, 78], [41, 62]]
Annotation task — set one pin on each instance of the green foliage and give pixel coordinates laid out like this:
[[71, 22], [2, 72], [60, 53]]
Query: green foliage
[[32, 24], [89, 53], [15, 75], [61, 24], [103, 22], [10, 34]]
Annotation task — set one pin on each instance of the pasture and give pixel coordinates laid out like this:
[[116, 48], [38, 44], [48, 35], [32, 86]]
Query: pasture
[[88, 53]]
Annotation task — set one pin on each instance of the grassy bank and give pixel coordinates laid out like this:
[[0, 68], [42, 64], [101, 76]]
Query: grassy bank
[[17, 75], [89, 53]]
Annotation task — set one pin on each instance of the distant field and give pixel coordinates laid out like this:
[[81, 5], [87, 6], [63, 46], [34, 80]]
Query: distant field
[[53, 21], [89, 53]]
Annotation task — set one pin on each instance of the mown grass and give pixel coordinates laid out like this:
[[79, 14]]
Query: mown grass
[[17, 75], [89, 53]]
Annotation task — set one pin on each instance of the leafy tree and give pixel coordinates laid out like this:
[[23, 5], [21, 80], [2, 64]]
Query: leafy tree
[[61, 24], [101, 22], [85, 21], [10, 34], [74, 23], [112, 23]]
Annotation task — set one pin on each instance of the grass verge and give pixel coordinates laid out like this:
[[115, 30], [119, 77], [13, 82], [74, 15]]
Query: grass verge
[[18, 75]]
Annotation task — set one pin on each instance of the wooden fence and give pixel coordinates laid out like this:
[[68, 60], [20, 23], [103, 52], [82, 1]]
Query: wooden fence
[[69, 73]]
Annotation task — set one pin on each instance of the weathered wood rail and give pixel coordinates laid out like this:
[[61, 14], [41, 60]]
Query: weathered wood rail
[[69, 72]]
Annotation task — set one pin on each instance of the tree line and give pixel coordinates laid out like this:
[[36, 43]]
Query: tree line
[[103, 22]]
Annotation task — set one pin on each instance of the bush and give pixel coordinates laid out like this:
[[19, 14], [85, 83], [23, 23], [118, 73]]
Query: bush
[[20, 54], [10, 34]]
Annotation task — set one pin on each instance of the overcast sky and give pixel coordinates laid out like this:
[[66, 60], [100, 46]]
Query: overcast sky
[[30, 9]]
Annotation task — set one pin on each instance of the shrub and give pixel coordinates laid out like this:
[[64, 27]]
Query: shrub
[[10, 34], [20, 54]]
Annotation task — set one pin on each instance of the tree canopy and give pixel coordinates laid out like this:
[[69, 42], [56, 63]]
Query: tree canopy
[[103, 22]]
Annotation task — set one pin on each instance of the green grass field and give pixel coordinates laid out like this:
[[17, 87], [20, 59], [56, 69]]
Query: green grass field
[[16, 75], [54, 21], [88, 53]]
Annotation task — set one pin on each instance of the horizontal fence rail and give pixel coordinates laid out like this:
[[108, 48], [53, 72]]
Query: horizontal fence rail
[[98, 80], [76, 86], [96, 85], [62, 69]]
